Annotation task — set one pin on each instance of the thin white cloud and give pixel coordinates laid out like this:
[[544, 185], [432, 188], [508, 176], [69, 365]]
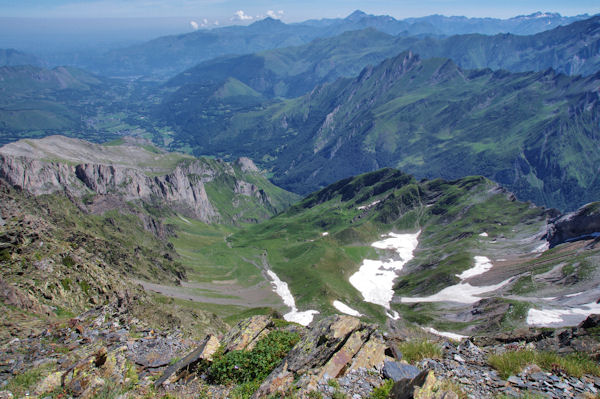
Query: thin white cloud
[[240, 15], [194, 25], [275, 15]]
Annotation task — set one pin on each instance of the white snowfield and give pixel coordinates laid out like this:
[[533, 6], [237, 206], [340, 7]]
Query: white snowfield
[[561, 317], [463, 292], [281, 289], [453, 336], [342, 307], [375, 278], [482, 265], [460, 293]]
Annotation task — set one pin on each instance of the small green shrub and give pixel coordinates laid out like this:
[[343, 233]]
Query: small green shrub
[[418, 349], [5, 255], [383, 392], [246, 366], [66, 283], [339, 395], [332, 382], [21, 384], [68, 261], [245, 390], [85, 287]]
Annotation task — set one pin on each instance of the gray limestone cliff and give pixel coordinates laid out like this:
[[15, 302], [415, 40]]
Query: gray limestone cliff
[[131, 173]]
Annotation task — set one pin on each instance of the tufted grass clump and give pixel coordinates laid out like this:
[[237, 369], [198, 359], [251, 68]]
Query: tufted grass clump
[[418, 349], [383, 392], [574, 364]]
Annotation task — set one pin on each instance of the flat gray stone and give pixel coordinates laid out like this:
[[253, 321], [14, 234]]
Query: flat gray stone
[[399, 371]]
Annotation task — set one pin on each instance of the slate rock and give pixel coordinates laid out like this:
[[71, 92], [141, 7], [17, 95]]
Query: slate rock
[[405, 388], [397, 371], [204, 351], [591, 321]]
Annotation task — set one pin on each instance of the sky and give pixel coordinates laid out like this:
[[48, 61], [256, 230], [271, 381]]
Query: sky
[[207, 12]]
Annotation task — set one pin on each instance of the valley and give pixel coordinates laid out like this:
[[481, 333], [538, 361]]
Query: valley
[[358, 207]]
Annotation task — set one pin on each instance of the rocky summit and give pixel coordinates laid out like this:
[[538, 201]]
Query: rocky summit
[[106, 351]]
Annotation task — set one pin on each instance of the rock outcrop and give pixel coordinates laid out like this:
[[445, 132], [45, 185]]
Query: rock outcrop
[[583, 223], [131, 173], [331, 348]]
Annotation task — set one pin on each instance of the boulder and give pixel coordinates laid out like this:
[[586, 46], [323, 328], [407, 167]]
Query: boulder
[[204, 351], [339, 360], [153, 352], [591, 321], [405, 387], [50, 383], [371, 355], [317, 353], [246, 332], [397, 371]]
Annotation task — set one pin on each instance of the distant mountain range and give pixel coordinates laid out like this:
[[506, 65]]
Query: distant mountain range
[[294, 71], [12, 57], [168, 55]]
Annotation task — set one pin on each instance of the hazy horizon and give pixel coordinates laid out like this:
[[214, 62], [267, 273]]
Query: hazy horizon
[[232, 11], [47, 27]]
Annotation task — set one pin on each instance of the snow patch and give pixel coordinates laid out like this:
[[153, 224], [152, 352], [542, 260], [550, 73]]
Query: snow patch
[[360, 208], [482, 265], [453, 336], [561, 317], [484, 234], [325, 234], [281, 288], [342, 307], [375, 278], [541, 248], [461, 293], [392, 315]]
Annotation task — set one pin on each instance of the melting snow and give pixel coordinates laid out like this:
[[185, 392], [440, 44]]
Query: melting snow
[[561, 317], [454, 336], [281, 289], [461, 293], [482, 265], [375, 278], [325, 234], [393, 315], [484, 234], [360, 208], [541, 248], [342, 307]]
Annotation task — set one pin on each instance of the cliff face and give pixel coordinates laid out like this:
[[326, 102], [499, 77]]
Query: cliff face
[[583, 223], [182, 189], [181, 184]]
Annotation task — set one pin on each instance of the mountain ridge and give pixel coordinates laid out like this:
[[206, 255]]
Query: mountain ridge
[[386, 111]]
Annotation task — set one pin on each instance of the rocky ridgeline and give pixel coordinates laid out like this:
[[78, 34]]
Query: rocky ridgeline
[[106, 351], [180, 184]]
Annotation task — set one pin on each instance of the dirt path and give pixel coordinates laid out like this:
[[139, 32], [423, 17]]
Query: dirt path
[[225, 293]]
